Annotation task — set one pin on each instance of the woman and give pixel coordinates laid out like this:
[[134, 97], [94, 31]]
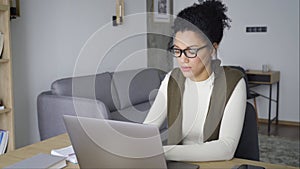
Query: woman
[[203, 102]]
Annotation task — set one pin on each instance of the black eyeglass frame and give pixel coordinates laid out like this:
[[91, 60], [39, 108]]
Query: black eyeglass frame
[[184, 51]]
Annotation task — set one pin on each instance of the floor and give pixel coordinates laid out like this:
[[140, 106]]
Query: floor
[[282, 146], [289, 132]]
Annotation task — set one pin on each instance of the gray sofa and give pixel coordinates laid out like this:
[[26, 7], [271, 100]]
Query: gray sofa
[[123, 95]]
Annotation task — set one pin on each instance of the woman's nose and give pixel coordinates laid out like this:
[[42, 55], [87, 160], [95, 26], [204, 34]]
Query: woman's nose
[[183, 59]]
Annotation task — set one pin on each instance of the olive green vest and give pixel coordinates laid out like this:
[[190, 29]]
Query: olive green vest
[[224, 83]]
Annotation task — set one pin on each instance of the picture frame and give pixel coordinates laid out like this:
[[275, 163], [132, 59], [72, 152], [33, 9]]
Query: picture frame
[[161, 10]]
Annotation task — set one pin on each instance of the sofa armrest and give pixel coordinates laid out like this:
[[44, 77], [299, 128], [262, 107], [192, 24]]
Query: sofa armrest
[[51, 109]]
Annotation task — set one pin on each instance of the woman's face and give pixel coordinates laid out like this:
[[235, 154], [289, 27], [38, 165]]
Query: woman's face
[[197, 68]]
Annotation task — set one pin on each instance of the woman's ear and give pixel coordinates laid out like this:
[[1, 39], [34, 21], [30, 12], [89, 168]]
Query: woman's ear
[[215, 45], [214, 50]]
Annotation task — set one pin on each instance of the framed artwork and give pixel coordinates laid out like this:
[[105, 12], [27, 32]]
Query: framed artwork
[[161, 10]]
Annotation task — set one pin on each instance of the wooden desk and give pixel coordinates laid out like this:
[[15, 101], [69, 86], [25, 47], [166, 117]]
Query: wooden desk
[[63, 140], [257, 77]]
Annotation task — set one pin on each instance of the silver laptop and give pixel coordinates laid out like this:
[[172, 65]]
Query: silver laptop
[[100, 143]]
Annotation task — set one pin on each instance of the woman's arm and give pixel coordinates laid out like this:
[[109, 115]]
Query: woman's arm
[[230, 132], [158, 111]]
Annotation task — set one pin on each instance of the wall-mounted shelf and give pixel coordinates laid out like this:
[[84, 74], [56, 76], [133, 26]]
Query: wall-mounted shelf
[[5, 111], [6, 94], [4, 60], [4, 7]]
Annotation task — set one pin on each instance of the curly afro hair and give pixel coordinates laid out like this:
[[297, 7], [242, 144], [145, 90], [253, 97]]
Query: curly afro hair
[[207, 17]]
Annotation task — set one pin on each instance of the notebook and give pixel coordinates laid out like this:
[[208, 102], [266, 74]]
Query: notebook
[[100, 143], [40, 161]]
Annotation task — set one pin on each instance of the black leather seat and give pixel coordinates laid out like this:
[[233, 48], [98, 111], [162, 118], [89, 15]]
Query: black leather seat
[[248, 147]]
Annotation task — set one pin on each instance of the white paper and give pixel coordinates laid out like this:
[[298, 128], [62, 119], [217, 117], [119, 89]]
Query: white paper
[[66, 152]]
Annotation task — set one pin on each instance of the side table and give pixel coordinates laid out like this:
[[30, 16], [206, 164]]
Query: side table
[[258, 77]]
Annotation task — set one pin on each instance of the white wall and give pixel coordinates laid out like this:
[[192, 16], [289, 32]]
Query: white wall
[[279, 47], [47, 39]]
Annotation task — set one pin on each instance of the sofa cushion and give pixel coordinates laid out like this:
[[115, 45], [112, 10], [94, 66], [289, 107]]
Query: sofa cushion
[[136, 86], [93, 87], [136, 113]]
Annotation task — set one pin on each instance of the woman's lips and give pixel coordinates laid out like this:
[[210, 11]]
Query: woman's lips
[[186, 68]]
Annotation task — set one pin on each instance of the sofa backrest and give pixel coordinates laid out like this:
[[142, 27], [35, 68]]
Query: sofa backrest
[[97, 86], [116, 90], [137, 86]]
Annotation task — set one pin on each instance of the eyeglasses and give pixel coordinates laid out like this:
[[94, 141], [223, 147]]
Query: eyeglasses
[[188, 52]]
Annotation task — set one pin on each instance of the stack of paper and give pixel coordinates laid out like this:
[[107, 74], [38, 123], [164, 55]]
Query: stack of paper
[[3, 140], [67, 152], [40, 161]]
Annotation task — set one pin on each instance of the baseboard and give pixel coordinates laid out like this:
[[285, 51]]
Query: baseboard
[[281, 122]]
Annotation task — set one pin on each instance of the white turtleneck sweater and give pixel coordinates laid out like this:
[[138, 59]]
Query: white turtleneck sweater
[[196, 98]]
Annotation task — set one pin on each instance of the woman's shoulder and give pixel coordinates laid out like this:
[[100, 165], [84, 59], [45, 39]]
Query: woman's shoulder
[[233, 70], [233, 73], [173, 72]]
